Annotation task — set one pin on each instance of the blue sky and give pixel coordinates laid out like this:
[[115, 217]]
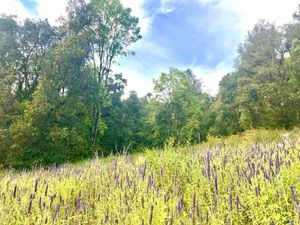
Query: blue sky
[[199, 34], [30, 5], [191, 34], [186, 35]]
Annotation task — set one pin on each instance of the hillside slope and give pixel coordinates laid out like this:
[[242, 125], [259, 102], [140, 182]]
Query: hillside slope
[[229, 181]]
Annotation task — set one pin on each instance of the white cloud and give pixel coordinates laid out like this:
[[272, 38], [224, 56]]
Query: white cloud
[[51, 10], [166, 7], [135, 81], [144, 84], [211, 77], [14, 7], [250, 11], [139, 83]]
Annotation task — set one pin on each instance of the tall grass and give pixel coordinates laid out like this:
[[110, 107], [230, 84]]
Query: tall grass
[[240, 180]]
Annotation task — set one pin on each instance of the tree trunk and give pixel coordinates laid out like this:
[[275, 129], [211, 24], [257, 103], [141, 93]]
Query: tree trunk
[[96, 114]]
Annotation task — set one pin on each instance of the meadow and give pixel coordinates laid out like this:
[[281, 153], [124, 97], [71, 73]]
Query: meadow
[[253, 178]]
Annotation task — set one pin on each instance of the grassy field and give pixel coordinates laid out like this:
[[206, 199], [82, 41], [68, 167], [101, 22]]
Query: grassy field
[[253, 178]]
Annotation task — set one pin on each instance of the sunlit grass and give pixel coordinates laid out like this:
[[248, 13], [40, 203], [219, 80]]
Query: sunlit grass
[[240, 180]]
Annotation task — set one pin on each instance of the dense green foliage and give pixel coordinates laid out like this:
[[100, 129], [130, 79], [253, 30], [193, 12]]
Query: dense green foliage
[[253, 182], [61, 102], [264, 91]]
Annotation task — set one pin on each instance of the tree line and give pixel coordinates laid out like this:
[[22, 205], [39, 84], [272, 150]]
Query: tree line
[[61, 102]]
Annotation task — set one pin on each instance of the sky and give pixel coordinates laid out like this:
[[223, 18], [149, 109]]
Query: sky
[[202, 35]]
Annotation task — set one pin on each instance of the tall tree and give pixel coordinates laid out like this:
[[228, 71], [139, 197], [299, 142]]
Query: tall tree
[[224, 111], [260, 63], [112, 30], [23, 48], [181, 105], [58, 111], [22, 52]]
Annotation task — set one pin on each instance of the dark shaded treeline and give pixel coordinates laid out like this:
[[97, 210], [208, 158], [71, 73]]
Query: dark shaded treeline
[[60, 100]]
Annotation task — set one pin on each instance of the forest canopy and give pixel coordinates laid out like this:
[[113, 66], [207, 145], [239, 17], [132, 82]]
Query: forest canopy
[[60, 100]]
